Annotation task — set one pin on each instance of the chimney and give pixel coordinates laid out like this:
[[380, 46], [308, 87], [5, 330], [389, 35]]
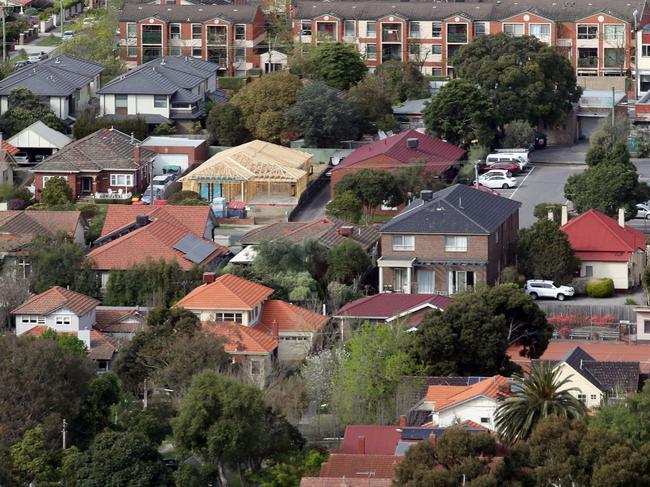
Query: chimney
[[208, 277], [402, 421], [275, 329], [132, 138], [141, 220], [426, 195], [550, 214], [621, 217], [432, 439], [412, 143], [361, 445], [345, 230], [565, 216], [137, 154]]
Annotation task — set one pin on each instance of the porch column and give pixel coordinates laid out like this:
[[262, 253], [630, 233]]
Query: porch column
[[408, 280], [381, 279], [242, 191]]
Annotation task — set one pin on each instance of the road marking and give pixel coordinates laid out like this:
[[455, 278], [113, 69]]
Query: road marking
[[522, 182]]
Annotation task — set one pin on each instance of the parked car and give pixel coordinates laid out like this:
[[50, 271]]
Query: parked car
[[537, 288], [37, 56], [496, 171], [512, 168], [642, 211], [540, 141], [21, 157], [497, 180], [39, 157], [67, 35], [21, 64]]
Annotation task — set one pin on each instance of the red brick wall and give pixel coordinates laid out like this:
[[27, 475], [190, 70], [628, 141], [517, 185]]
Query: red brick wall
[[433, 246], [198, 154]]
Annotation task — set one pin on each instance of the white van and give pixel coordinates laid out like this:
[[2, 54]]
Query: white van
[[499, 157], [518, 152]]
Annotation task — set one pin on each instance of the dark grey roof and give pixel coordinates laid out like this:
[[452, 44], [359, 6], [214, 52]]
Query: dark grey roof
[[458, 209], [197, 13], [218, 96], [106, 149], [192, 2], [59, 76], [149, 118], [184, 96], [569, 11]]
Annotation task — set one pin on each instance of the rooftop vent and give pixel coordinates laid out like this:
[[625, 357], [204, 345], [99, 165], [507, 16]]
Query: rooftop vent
[[412, 143], [345, 230], [426, 195], [141, 220]]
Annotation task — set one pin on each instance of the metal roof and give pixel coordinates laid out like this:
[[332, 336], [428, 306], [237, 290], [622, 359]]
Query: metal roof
[[180, 13]]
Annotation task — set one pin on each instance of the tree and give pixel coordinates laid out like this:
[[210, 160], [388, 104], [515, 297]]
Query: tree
[[460, 113], [319, 372], [471, 336], [127, 459], [345, 206], [373, 188], [538, 394], [89, 121], [375, 360], [24, 108], [56, 192], [518, 133], [34, 460], [321, 116], [545, 252], [225, 125], [417, 177], [264, 102], [59, 261], [164, 129], [14, 291], [403, 81], [67, 342], [338, 64], [346, 262], [523, 77], [372, 104], [103, 392]]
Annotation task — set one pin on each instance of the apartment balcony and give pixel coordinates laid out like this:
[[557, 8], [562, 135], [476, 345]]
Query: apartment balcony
[[588, 62], [391, 33], [151, 38], [220, 40], [456, 38]]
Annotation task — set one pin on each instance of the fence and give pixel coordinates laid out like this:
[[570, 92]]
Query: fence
[[595, 322]]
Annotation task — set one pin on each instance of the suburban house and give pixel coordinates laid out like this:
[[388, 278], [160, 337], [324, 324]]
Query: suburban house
[[18, 228], [231, 299], [595, 382], [170, 89], [607, 247], [254, 172], [65, 311], [406, 149], [336, 482], [447, 242], [407, 309], [39, 140], [64, 82], [643, 60], [354, 466], [227, 35], [120, 323], [106, 164], [409, 114], [152, 238], [183, 152]]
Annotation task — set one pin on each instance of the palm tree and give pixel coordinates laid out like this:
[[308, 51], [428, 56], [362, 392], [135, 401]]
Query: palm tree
[[535, 396]]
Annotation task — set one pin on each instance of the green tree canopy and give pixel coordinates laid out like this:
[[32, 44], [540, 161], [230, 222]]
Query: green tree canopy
[[518, 133], [263, 104], [346, 262], [471, 336], [34, 460], [225, 125], [403, 81], [56, 192], [373, 188], [545, 252], [460, 113], [24, 108], [416, 177], [522, 76], [372, 103], [321, 116], [345, 206], [338, 64]]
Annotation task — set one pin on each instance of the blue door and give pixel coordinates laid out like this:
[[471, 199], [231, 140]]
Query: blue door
[[205, 191]]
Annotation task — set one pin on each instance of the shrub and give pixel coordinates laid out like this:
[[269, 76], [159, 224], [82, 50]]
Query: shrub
[[541, 211], [89, 211], [600, 288], [227, 83], [16, 204], [179, 197], [630, 302], [112, 202], [579, 284], [511, 275]]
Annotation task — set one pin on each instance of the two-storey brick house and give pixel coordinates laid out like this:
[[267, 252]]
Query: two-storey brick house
[[448, 241], [227, 35]]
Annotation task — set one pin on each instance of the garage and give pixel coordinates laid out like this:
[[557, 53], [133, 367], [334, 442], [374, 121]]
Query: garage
[[169, 160], [588, 125]]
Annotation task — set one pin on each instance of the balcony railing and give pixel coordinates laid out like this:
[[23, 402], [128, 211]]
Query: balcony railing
[[114, 195], [457, 37], [217, 39], [151, 38], [588, 62], [391, 35]]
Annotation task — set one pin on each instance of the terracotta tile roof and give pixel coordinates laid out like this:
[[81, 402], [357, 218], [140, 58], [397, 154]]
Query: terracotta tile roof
[[379, 440], [439, 155], [387, 305], [36, 331], [289, 317], [101, 348], [242, 339], [360, 466], [227, 292], [115, 320], [19, 227], [56, 298], [325, 482], [596, 236], [448, 396], [9, 148], [194, 218], [439, 394]]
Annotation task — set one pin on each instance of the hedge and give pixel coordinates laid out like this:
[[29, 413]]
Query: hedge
[[113, 202], [600, 288], [230, 83]]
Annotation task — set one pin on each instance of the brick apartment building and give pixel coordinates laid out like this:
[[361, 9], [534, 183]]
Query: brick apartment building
[[227, 35], [597, 36]]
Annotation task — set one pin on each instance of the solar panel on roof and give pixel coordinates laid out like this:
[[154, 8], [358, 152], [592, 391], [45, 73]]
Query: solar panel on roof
[[200, 252], [186, 243], [416, 433]]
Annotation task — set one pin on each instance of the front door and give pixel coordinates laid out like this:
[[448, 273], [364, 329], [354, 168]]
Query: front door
[[86, 184]]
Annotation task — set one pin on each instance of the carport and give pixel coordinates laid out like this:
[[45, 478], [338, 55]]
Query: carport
[[39, 139]]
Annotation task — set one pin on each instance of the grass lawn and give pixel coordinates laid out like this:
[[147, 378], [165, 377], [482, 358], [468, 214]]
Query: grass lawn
[[382, 218], [50, 41]]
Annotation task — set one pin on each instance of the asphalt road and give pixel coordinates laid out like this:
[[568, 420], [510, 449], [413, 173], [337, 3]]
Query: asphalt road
[[315, 209]]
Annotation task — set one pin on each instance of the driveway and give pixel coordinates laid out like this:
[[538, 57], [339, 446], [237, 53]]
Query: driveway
[[561, 154], [315, 208]]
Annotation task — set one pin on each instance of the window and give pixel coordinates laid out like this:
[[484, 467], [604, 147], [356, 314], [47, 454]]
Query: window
[[614, 33], [229, 317], [480, 28], [400, 279], [256, 367], [455, 244], [414, 51], [426, 281], [196, 32], [63, 320], [131, 51], [371, 29], [645, 50], [414, 30], [594, 397], [582, 397], [485, 420], [47, 178], [436, 72], [614, 57], [646, 326], [160, 101], [516, 30], [436, 30], [305, 27], [174, 50], [349, 29], [436, 49], [587, 32], [541, 31], [125, 180], [121, 101], [131, 31], [459, 281], [240, 55], [174, 31], [457, 33], [589, 271], [587, 57], [197, 52], [403, 242], [371, 51], [240, 32]]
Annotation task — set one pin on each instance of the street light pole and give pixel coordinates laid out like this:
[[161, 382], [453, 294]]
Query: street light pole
[[4, 32], [62, 18]]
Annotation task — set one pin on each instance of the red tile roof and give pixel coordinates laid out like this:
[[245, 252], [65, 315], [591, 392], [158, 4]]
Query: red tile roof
[[386, 305], [325, 482], [194, 218], [596, 236], [36, 331], [57, 298], [445, 397], [289, 317], [227, 292], [439, 155], [379, 440], [114, 320], [7, 146], [242, 339], [101, 348], [360, 466]]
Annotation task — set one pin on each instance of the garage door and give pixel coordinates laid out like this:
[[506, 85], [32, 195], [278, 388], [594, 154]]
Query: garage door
[[588, 125], [169, 159]]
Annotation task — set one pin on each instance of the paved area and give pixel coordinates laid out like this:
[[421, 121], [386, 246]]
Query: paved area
[[316, 207], [573, 154], [637, 295]]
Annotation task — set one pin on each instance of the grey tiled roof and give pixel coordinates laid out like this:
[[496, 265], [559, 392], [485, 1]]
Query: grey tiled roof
[[607, 376], [197, 13], [106, 149], [59, 76], [458, 209]]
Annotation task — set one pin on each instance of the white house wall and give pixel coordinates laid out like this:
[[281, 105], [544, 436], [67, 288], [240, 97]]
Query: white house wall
[[617, 271], [59, 106], [582, 385], [290, 349], [473, 410]]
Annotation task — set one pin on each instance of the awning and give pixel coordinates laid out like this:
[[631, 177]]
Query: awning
[[396, 261]]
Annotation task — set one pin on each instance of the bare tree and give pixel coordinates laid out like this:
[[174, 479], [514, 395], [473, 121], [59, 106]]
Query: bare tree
[[14, 290]]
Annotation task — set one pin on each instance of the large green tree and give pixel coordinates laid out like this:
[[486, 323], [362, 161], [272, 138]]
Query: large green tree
[[522, 76], [338, 64], [471, 336], [460, 113], [57, 192], [545, 252], [34, 460], [372, 103], [225, 125], [321, 116], [403, 81], [24, 108], [373, 188], [346, 206], [263, 104], [346, 262]]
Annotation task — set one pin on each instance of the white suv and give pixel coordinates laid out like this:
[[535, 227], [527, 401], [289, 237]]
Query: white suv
[[547, 289]]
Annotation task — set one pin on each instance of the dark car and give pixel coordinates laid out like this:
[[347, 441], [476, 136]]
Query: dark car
[[171, 463], [21, 64], [511, 167], [540, 141]]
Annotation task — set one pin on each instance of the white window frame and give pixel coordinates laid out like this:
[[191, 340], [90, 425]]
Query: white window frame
[[175, 35], [586, 36], [238, 58], [200, 52], [486, 28], [455, 243], [127, 180], [158, 101], [63, 320], [415, 33], [542, 37], [238, 37], [436, 26], [346, 29], [645, 50], [200, 33], [371, 56], [131, 34], [403, 243], [121, 97], [421, 289], [303, 30], [619, 36], [514, 26], [258, 366], [437, 47]]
